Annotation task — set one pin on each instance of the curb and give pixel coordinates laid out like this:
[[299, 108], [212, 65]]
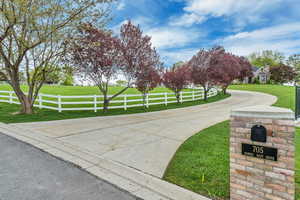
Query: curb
[[139, 184]]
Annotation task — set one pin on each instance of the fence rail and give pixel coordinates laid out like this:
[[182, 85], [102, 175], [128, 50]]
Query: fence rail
[[95, 102]]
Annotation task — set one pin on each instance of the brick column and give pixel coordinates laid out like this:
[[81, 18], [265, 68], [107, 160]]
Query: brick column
[[260, 178]]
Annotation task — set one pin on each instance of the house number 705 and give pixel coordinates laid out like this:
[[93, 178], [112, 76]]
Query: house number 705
[[258, 149]]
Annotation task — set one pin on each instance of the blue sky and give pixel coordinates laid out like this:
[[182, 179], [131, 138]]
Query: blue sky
[[179, 28]]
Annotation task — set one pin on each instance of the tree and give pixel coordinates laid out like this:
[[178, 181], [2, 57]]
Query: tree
[[294, 61], [68, 80], [266, 58], [246, 68], [177, 79], [136, 50], [227, 67], [282, 73], [147, 81], [102, 57], [121, 83], [178, 64], [67, 75], [32, 33], [217, 67], [149, 75], [201, 71], [54, 76], [96, 53]]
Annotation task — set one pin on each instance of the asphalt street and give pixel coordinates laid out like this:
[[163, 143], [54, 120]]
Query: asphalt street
[[26, 173]]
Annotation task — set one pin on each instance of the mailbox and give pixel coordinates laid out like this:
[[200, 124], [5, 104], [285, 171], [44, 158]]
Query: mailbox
[[259, 133]]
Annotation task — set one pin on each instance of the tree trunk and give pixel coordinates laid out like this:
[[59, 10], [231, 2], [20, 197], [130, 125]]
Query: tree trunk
[[27, 107], [224, 90], [178, 97], [26, 101], [105, 104], [144, 100], [205, 94]]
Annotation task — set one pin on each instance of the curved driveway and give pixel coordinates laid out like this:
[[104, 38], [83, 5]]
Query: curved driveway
[[146, 141]]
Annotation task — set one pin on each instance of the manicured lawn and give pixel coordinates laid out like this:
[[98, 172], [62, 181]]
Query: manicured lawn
[[285, 94], [201, 164], [81, 90], [90, 91], [6, 109]]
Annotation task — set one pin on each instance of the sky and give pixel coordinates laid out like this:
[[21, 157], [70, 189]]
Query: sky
[[180, 28]]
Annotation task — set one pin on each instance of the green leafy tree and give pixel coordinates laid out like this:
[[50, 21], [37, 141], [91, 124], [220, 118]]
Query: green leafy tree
[[266, 58], [178, 64], [121, 83], [69, 80], [67, 73], [33, 34], [54, 76], [294, 61]]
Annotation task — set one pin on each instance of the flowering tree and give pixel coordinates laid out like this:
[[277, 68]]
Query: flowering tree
[[282, 73], [225, 67], [228, 67], [135, 50], [102, 57], [217, 67], [246, 68], [96, 54], [147, 80], [177, 79], [149, 75], [201, 71]]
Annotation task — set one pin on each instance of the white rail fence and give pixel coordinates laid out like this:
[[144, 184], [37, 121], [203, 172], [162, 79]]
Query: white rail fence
[[95, 102]]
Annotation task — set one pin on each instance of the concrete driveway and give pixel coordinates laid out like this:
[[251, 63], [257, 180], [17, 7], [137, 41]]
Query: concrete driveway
[[145, 142]]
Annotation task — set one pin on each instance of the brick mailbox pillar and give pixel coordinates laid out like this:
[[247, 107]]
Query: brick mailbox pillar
[[262, 151]]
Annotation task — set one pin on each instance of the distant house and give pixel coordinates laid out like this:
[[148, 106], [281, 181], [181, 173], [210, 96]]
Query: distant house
[[260, 74]]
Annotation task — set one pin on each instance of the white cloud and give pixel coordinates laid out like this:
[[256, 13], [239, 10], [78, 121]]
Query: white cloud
[[187, 20], [171, 57], [144, 23], [284, 38], [245, 11], [121, 5], [170, 37], [163, 37]]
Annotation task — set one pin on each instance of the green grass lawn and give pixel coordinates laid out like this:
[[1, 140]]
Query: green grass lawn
[[201, 164], [91, 91], [6, 109], [285, 94], [81, 90]]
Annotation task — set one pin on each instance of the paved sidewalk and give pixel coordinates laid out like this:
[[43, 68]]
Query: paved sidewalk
[[133, 151], [26, 173]]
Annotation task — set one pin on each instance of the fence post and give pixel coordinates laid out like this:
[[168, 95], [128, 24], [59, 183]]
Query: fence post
[[181, 99], [10, 97], [40, 101], [166, 98], [59, 103], [193, 94], [147, 100], [125, 102], [95, 103]]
